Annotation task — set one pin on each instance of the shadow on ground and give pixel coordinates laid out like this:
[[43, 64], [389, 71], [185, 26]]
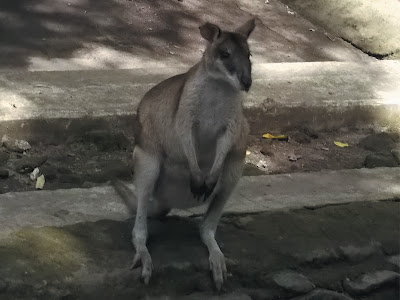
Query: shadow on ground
[[90, 260], [82, 34], [59, 28]]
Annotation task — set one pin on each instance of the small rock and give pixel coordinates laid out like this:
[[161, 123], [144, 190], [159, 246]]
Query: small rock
[[252, 170], [293, 281], [370, 281], [318, 256], [320, 294], [294, 157], [4, 174], [395, 260], [325, 148], [378, 142], [15, 145], [3, 158], [262, 164], [384, 159], [354, 253], [29, 163]]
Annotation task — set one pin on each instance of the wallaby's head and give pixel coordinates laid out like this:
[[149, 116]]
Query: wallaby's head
[[227, 55]]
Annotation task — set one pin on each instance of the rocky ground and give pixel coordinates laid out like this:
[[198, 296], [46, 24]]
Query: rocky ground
[[299, 254], [98, 156]]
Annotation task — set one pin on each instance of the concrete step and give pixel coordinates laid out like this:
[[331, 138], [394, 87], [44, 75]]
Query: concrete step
[[253, 194], [328, 95]]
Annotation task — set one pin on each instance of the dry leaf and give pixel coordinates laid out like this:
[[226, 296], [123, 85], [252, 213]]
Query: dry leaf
[[278, 137], [341, 145], [40, 181]]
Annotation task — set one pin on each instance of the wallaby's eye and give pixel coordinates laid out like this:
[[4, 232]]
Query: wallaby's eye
[[225, 54]]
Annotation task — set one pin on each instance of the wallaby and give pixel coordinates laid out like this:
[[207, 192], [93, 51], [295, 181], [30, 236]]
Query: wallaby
[[191, 142]]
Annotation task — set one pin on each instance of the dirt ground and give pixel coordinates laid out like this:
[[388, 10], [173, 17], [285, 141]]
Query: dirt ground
[[108, 34], [91, 260], [99, 156]]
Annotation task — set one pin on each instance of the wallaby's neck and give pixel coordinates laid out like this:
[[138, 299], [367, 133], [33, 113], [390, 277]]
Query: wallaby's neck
[[204, 78]]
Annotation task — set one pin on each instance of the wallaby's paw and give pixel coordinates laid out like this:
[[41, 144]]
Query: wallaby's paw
[[143, 258], [218, 268], [197, 186]]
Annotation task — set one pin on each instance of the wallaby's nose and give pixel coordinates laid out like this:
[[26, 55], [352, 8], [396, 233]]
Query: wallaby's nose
[[246, 82]]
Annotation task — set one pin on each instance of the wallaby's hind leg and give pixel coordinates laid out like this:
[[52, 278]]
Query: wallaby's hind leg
[[147, 171], [155, 209], [230, 175]]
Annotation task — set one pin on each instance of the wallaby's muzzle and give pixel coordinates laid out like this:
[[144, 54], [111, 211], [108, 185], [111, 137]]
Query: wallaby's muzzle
[[245, 82]]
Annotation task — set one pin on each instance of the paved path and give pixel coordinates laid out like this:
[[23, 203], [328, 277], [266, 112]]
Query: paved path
[[253, 194], [328, 95]]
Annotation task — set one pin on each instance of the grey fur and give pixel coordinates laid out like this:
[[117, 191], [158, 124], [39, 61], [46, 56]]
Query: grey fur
[[191, 142]]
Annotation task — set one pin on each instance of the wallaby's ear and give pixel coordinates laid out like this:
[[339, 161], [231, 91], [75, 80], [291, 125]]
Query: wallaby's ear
[[247, 27], [210, 32]]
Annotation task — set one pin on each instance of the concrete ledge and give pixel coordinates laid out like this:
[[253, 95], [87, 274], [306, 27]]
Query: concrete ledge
[[254, 194], [326, 94]]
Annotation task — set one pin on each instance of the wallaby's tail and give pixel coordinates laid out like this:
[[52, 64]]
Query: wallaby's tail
[[127, 195]]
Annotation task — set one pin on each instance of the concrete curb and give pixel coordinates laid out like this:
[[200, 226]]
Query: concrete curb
[[327, 95], [253, 195]]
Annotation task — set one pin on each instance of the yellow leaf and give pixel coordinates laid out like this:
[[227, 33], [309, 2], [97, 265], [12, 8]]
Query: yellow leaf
[[40, 182], [341, 145], [270, 136], [248, 152]]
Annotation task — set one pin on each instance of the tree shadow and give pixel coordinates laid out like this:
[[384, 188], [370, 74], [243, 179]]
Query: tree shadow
[[49, 29]]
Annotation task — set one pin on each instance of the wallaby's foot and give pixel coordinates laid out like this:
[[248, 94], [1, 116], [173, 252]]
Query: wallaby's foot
[[218, 268], [143, 258]]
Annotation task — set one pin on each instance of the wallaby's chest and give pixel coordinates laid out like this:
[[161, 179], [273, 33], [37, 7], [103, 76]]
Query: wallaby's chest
[[217, 105]]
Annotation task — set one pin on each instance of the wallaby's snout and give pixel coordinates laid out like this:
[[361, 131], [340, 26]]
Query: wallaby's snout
[[227, 55], [246, 81]]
